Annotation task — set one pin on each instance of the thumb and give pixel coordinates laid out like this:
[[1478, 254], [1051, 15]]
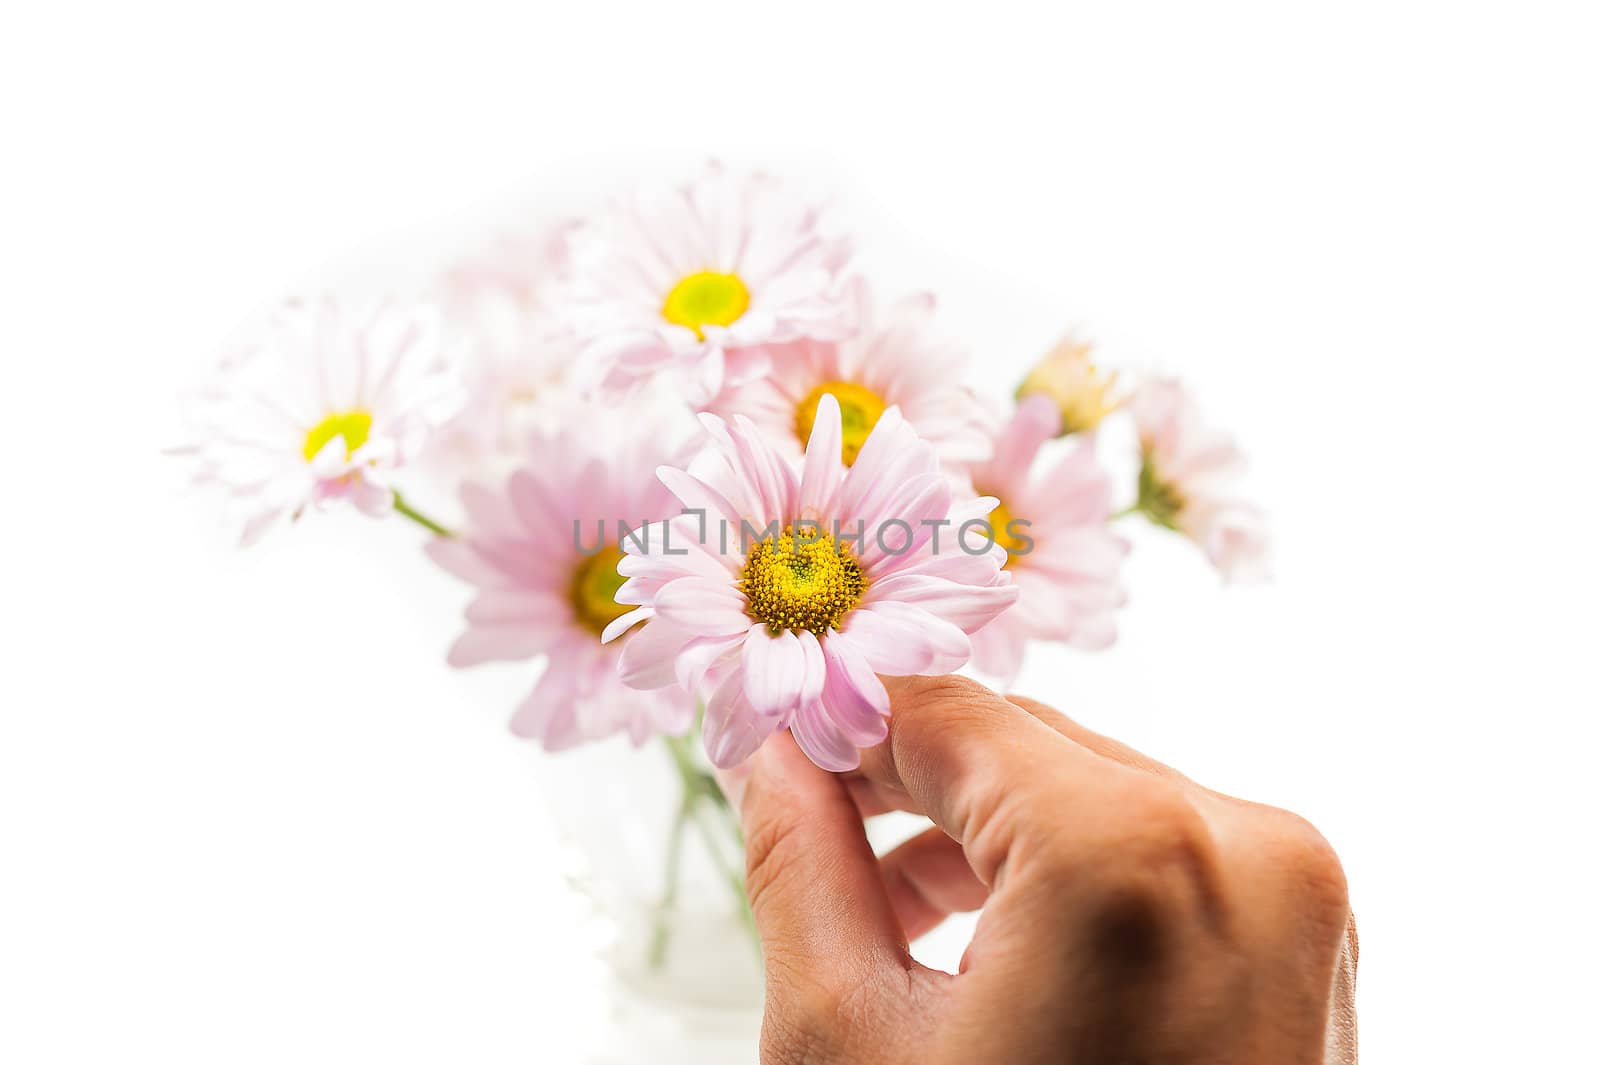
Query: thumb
[[813, 881]]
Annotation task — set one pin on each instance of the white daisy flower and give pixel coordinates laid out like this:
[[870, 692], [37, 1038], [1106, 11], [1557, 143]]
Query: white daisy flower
[[321, 408], [696, 280]]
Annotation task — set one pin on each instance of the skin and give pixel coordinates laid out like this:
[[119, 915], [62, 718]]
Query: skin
[[1129, 914]]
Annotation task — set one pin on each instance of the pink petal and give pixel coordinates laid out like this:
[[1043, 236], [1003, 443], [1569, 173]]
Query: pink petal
[[703, 607], [899, 640], [774, 670], [822, 741], [854, 697], [649, 655], [824, 468], [963, 605], [701, 656], [1036, 420], [497, 644], [732, 729]]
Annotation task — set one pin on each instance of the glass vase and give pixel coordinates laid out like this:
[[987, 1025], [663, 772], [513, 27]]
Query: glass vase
[[655, 851]]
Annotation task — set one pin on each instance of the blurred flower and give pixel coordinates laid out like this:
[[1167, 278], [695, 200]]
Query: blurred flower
[[322, 407], [516, 354], [543, 553], [1065, 560], [1186, 478], [899, 361], [1082, 394], [695, 279], [800, 589]]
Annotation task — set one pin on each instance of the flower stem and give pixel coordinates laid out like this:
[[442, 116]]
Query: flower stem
[[702, 797], [669, 891], [1127, 511], [406, 510]]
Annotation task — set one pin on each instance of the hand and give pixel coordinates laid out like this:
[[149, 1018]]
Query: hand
[[1129, 915]]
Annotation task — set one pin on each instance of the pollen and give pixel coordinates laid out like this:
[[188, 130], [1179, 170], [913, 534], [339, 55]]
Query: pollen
[[594, 590], [802, 579], [859, 410], [706, 298], [353, 425]]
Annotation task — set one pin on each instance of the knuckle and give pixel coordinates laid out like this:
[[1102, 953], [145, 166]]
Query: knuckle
[[948, 691], [1157, 869], [1312, 868]]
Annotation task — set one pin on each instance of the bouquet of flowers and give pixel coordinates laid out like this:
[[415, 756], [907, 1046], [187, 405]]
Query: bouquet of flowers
[[710, 481]]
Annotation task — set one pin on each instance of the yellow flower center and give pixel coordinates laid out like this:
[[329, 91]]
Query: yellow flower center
[[859, 410], [594, 590], [801, 580], [353, 425], [706, 298], [1000, 519]]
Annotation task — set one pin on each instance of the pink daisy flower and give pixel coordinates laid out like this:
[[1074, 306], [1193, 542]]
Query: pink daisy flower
[[1062, 555], [542, 553], [785, 591], [322, 408], [898, 361], [1187, 478], [694, 280]]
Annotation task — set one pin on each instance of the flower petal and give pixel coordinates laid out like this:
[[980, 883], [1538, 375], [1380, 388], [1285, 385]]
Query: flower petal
[[898, 640], [854, 697], [703, 607], [774, 670], [732, 729]]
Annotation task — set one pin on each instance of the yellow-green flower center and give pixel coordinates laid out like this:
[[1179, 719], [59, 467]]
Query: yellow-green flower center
[[1000, 519], [594, 590], [706, 298], [859, 410], [801, 580], [352, 425], [1158, 499]]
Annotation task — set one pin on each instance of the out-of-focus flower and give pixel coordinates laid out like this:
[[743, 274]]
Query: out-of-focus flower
[[898, 361], [1064, 558], [793, 590], [322, 407], [1082, 394], [695, 280], [516, 354], [1186, 479], [542, 552]]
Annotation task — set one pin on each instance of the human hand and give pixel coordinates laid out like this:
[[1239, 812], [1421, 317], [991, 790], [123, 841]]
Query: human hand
[[1129, 914]]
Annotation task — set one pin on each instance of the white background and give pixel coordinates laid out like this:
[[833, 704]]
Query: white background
[[246, 814]]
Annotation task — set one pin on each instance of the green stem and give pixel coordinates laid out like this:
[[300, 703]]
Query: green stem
[[1127, 511], [731, 869], [669, 891], [700, 791], [406, 510]]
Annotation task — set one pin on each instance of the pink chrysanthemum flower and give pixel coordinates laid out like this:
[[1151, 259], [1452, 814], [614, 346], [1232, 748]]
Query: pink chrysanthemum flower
[[785, 592], [321, 408], [1186, 480], [898, 361], [695, 280], [1052, 520], [543, 553]]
